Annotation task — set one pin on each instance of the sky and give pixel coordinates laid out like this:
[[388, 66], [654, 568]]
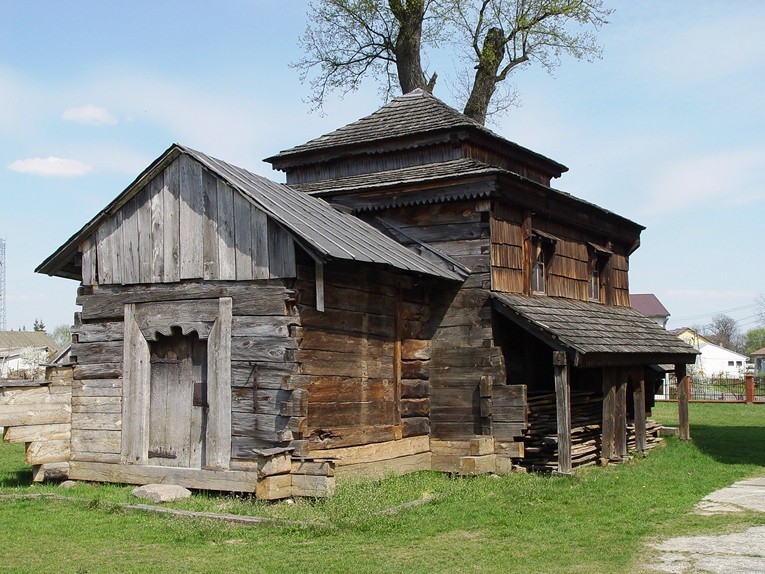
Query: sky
[[667, 129]]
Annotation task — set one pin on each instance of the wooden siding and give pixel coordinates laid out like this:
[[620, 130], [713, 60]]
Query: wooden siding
[[186, 224], [568, 271]]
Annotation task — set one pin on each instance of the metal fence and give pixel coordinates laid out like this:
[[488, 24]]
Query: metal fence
[[714, 389]]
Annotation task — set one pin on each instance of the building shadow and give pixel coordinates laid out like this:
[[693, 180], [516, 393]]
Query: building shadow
[[731, 444]]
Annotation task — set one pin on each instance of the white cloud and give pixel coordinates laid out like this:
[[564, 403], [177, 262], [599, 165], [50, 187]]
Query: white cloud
[[89, 114], [50, 167]]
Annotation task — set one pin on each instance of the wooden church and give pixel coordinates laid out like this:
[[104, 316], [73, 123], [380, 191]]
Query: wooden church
[[417, 296]]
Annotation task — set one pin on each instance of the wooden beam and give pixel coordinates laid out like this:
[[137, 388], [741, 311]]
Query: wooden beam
[[620, 415], [638, 399], [319, 285], [683, 383], [563, 410], [135, 392], [609, 405], [218, 438]]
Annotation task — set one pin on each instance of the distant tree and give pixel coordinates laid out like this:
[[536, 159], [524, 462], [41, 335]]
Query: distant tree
[[723, 331], [33, 360], [38, 325], [754, 340], [760, 302], [348, 40], [62, 335]]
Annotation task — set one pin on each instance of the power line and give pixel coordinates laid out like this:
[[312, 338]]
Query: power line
[[712, 313]]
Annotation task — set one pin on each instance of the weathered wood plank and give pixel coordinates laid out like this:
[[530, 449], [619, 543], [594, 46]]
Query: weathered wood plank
[[37, 433], [43, 452], [136, 383], [97, 421], [226, 248], [374, 452], [219, 420], [130, 243], [98, 332], [242, 237], [145, 243], [210, 239], [157, 229], [259, 232], [281, 251], [233, 481], [171, 223], [391, 467], [105, 441]]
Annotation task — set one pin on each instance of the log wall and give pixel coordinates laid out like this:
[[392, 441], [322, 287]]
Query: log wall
[[363, 361], [261, 363], [463, 354]]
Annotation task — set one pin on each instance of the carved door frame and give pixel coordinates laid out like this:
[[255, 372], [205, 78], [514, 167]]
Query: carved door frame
[[211, 319]]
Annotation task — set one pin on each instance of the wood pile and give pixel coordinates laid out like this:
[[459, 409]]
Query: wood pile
[[652, 435], [39, 415], [541, 440]]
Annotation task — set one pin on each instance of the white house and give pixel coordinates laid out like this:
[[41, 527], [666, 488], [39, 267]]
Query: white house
[[22, 352], [718, 362]]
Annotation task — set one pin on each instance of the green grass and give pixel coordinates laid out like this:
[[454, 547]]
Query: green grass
[[596, 521]]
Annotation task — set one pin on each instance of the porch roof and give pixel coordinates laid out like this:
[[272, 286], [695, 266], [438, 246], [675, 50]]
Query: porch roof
[[593, 334]]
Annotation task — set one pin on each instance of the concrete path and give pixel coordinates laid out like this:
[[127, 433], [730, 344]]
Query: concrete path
[[742, 552]]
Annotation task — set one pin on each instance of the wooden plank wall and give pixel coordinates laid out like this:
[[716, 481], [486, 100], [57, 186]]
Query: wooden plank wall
[[507, 249], [568, 270], [186, 224], [363, 362], [261, 363], [463, 353]]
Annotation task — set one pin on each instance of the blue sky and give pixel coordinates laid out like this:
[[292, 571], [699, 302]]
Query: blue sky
[[668, 129]]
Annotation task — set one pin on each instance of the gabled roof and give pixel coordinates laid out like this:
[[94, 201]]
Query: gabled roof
[[759, 353], [319, 228], [15, 340], [593, 334], [416, 114], [648, 304]]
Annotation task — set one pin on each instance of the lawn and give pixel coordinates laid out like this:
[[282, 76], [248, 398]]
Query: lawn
[[596, 521]]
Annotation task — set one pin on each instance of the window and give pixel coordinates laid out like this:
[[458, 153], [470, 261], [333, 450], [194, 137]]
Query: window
[[730, 363], [538, 284], [599, 257], [739, 364], [594, 283], [542, 252]]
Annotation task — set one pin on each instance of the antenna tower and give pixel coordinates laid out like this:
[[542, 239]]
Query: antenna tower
[[2, 284]]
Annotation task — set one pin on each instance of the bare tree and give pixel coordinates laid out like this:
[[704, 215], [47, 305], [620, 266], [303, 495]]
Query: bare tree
[[760, 302], [723, 331], [347, 40]]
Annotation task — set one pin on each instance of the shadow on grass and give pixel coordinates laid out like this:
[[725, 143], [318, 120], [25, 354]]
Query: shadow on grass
[[16, 479], [731, 445]]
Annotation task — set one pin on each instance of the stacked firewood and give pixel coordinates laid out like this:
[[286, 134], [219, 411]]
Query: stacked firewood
[[541, 440], [652, 435]]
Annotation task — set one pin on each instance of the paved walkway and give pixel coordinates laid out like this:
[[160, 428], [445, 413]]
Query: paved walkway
[[739, 553]]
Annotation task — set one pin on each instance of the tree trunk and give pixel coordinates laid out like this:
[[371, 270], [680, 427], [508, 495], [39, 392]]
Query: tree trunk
[[409, 14], [485, 81]]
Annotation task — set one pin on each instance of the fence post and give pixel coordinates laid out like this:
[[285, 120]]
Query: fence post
[[749, 388]]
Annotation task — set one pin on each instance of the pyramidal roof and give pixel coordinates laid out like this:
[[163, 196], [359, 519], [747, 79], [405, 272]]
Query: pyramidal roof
[[417, 113]]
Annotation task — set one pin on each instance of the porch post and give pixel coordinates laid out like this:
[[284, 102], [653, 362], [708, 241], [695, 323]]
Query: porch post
[[638, 396], [609, 404], [682, 402], [620, 415], [563, 409]]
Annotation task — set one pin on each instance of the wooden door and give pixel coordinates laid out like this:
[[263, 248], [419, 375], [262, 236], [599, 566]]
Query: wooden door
[[178, 400]]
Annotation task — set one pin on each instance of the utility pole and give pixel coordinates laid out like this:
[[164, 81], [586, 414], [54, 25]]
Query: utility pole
[[2, 284]]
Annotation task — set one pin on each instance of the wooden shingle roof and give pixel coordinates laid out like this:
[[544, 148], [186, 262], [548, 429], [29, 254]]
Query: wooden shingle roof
[[594, 334], [417, 114]]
